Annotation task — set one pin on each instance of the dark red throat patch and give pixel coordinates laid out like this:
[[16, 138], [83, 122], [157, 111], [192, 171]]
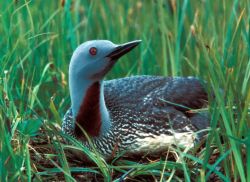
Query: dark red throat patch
[[89, 116]]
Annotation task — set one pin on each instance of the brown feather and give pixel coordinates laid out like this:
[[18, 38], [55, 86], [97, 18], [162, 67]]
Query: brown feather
[[89, 116]]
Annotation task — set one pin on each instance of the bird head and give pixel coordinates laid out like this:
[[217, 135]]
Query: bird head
[[92, 60]]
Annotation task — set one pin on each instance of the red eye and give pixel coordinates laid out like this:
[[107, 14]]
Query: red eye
[[93, 51]]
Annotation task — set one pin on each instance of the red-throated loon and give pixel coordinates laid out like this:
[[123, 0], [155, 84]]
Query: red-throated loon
[[134, 114]]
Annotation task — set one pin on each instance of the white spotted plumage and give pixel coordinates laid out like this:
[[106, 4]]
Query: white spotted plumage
[[139, 112]]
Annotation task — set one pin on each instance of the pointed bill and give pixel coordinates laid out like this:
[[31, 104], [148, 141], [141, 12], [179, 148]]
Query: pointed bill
[[122, 49]]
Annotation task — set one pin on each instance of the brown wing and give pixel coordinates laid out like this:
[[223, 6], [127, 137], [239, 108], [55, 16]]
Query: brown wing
[[145, 92], [161, 98]]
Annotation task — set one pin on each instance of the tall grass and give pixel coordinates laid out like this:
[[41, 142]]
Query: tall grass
[[207, 39]]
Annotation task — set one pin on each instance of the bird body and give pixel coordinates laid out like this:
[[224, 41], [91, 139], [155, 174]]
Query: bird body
[[138, 114]]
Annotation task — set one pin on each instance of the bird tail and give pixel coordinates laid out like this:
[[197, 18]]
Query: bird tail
[[201, 121]]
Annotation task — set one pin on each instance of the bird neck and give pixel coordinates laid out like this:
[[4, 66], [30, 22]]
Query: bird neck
[[89, 108]]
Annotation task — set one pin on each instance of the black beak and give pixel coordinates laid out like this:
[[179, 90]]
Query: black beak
[[123, 49]]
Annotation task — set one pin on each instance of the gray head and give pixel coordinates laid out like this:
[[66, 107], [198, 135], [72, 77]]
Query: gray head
[[90, 62], [93, 59]]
